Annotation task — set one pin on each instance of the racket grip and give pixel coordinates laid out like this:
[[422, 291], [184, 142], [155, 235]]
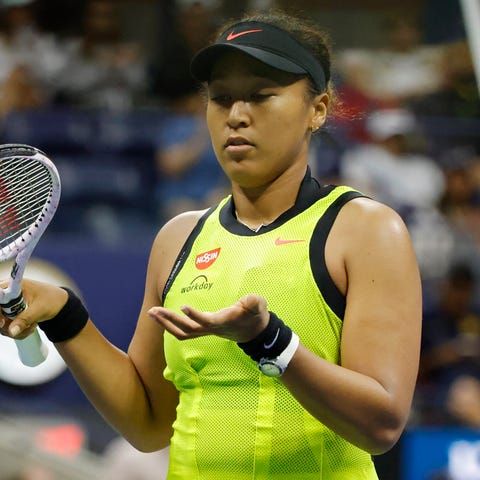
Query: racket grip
[[31, 350]]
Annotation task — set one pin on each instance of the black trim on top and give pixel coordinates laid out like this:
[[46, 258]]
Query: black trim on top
[[309, 192], [185, 251], [331, 294]]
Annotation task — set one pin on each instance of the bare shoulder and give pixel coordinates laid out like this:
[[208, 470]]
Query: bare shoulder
[[180, 226], [175, 232], [368, 235], [365, 218], [168, 243]]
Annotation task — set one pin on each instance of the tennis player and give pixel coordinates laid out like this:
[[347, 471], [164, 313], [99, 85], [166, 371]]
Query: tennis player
[[280, 329]]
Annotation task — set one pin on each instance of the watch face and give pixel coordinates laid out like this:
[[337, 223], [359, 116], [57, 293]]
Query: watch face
[[270, 368]]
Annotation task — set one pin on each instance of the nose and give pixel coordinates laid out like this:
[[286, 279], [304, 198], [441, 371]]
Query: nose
[[238, 115]]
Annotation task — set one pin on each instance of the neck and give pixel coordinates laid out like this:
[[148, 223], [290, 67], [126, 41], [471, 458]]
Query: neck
[[255, 229], [258, 207]]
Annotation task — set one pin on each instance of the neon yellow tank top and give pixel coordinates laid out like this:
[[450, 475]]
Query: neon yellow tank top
[[234, 423]]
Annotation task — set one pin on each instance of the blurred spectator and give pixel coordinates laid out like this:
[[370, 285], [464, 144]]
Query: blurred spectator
[[123, 462], [451, 231], [450, 357], [458, 97], [193, 26], [446, 113], [20, 92], [460, 203], [189, 174], [436, 244], [463, 401], [389, 169], [404, 68], [30, 59], [104, 70]]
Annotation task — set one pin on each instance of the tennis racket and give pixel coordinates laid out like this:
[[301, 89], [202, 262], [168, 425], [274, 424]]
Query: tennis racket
[[29, 196]]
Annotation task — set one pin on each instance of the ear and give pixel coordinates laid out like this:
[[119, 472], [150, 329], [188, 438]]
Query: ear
[[319, 111]]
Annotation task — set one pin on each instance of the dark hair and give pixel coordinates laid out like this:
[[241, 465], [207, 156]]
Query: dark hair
[[305, 32]]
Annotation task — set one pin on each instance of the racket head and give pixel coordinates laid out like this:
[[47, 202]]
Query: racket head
[[29, 196]]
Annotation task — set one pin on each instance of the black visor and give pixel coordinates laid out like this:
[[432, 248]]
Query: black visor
[[266, 43]]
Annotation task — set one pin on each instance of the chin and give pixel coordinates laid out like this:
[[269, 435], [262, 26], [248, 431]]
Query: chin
[[247, 172], [249, 179]]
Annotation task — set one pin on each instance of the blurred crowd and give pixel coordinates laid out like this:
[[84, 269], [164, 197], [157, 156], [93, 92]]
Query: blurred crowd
[[416, 147], [405, 130]]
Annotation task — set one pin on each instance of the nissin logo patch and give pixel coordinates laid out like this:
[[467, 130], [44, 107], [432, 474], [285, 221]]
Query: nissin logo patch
[[204, 260]]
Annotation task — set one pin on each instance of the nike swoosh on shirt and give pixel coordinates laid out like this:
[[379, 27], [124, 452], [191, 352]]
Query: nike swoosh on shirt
[[270, 345], [232, 35], [279, 241]]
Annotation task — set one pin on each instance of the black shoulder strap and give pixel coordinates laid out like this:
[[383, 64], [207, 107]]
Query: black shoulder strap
[[185, 251], [330, 292]]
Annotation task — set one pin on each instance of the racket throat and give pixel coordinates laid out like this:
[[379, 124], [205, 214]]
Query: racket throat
[[13, 274], [13, 307]]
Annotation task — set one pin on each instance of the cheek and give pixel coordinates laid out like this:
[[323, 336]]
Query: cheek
[[286, 130], [217, 143], [289, 117]]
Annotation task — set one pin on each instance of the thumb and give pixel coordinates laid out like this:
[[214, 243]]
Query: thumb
[[254, 303], [20, 327]]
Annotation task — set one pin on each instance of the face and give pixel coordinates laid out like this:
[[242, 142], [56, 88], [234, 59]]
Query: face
[[259, 119]]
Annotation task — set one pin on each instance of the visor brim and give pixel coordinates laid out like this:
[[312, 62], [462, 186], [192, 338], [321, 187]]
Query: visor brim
[[202, 63]]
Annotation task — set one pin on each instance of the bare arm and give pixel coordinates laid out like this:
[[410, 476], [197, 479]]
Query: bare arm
[[128, 389], [110, 380], [367, 398]]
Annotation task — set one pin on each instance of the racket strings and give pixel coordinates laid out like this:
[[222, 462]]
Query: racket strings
[[25, 189]]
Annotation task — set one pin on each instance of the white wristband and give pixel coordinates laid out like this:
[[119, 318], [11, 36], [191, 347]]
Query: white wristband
[[274, 367]]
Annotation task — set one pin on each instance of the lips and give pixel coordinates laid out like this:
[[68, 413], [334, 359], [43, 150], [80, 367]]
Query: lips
[[237, 142]]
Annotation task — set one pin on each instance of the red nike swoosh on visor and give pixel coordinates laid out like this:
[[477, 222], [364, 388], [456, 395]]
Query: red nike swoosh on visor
[[232, 35]]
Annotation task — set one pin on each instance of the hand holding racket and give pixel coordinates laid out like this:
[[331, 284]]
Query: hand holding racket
[[29, 196]]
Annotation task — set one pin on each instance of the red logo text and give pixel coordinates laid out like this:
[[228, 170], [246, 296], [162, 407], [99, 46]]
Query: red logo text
[[204, 260]]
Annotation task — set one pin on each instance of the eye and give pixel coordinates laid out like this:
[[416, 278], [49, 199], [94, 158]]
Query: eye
[[220, 99], [259, 97]]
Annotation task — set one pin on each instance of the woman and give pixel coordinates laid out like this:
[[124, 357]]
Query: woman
[[286, 318]]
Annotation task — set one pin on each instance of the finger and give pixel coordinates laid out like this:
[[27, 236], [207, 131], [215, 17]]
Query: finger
[[204, 319], [20, 327], [181, 326], [4, 331], [254, 304], [26, 332]]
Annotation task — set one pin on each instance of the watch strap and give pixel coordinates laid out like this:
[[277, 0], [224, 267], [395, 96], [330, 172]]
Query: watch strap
[[283, 360]]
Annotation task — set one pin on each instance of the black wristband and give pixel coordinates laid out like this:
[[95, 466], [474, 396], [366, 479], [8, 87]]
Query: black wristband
[[68, 322], [271, 342]]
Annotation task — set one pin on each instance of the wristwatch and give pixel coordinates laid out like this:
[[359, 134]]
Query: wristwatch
[[274, 367]]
